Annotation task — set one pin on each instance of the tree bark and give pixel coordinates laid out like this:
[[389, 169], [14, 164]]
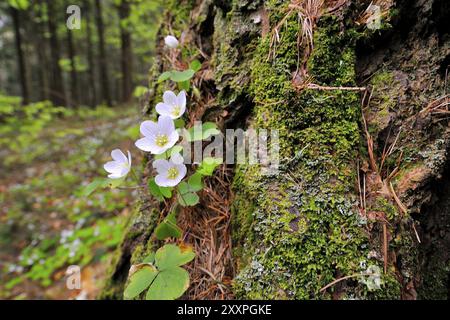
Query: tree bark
[[74, 95], [126, 51], [90, 56], [57, 92], [41, 46], [15, 14], [362, 117], [102, 61]]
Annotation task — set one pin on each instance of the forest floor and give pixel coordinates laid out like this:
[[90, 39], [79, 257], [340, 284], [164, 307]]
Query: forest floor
[[45, 222]]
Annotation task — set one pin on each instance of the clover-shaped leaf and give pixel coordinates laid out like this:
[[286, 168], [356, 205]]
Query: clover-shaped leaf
[[140, 280], [170, 284], [208, 166], [165, 279], [195, 182], [195, 65], [159, 192], [188, 199], [202, 131], [164, 76], [181, 76], [173, 256], [186, 194]]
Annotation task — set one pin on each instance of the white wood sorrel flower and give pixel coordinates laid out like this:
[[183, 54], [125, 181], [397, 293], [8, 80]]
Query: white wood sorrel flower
[[158, 136], [170, 172], [171, 42], [173, 106], [120, 166]]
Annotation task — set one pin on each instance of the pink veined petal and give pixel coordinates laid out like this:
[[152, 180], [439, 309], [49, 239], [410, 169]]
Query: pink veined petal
[[163, 109], [166, 125], [111, 166], [149, 128], [169, 98], [161, 166], [119, 156]]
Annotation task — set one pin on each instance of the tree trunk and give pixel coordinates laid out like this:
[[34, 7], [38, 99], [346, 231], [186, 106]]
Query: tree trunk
[[90, 56], [359, 208], [104, 79], [126, 51], [57, 92], [74, 100], [15, 14]]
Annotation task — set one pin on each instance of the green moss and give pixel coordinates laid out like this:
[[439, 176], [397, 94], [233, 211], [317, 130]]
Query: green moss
[[300, 230], [384, 97], [383, 205]]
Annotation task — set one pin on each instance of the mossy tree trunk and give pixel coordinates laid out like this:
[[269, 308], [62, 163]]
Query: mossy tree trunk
[[359, 207]]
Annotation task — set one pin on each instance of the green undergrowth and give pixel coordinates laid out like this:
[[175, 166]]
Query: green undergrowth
[[48, 154]]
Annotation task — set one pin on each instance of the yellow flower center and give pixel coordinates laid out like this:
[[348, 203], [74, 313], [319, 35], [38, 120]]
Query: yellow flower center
[[161, 140], [172, 173], [176, 111]]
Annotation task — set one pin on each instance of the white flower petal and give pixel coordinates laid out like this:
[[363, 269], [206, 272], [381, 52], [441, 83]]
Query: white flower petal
[[129, 158], [161, 165], [182, 171], [173, 138], [119, 156], [166, 125], [164, 109], [124, 171], [181, 99], [145, 144], [177, 159], [149, 145], [171, 42], [115, 176], [162, 181], [112, 167], [170, 98], [149, 128]]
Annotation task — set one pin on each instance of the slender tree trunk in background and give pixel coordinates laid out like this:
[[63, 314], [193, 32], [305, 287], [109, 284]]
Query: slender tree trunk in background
[[104, 79], [57, 92], [90, 56], [126, 51], [15, 14], [74, 94], [41, 43]]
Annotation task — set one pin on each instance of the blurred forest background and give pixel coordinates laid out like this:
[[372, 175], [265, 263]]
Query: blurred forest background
[[67, 97]]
